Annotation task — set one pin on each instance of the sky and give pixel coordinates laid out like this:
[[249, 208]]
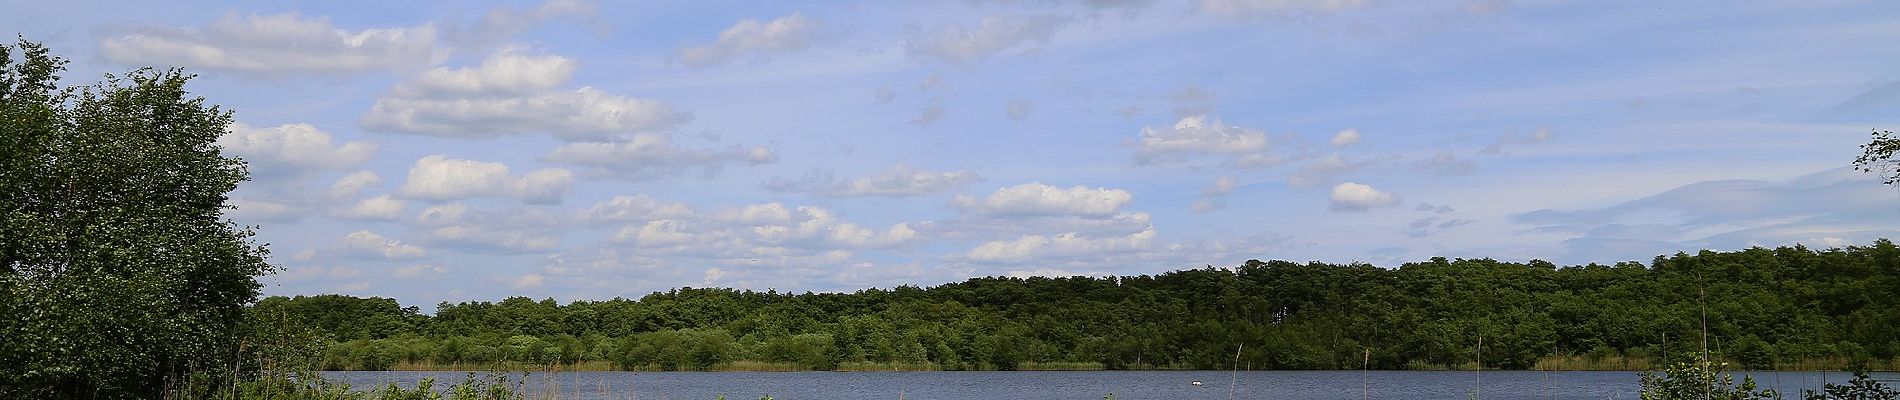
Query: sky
[[468, 151]]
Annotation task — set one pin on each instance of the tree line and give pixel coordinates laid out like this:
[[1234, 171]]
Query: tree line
[[1785, 307]]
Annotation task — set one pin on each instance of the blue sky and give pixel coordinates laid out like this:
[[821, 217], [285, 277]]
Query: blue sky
[[450, 151]]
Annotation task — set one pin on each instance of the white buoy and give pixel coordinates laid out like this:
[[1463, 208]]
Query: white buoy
[[1195, 383]]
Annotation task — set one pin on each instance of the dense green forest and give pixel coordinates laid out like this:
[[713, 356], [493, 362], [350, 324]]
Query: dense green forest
[[1789, 307]]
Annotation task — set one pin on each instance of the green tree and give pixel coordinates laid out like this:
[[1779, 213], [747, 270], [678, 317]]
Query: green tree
[[1877, 156], [118, 272]]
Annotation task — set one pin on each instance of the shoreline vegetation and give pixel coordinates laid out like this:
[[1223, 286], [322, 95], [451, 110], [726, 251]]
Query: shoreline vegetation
[[1788, 308]]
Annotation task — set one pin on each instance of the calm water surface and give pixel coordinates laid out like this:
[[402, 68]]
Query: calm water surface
[[1126, 385]]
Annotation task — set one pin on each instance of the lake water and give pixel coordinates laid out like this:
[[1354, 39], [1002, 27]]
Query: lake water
[[1125, 385]]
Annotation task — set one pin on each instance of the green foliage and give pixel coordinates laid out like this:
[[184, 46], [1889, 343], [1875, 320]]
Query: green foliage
[[1877, 156], [1697, 380], [118, 272], [1861, 387], [1767, 308], [289, 387]]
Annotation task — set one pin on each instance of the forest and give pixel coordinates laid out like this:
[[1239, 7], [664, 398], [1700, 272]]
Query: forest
[[1781, 308]]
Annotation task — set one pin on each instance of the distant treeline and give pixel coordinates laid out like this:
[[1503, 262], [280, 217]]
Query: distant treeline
[[1766, 308]]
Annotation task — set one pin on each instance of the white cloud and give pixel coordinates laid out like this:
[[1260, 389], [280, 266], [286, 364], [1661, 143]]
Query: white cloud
[[652, 156], [1346, 138], [1276, 8], [490, 240], [367, 244], [514, 93], [898, 181], [438, 177], [750, 37], [291, 149], [769, 225], [582, 114], [1037, 199], [1351, 196], [514, 230], [1032, 247], [1220, 186], [506, 72], [349, 185], [530, 280], [374, 208], [420, 270], [637, 207], [991, 35], [1195, 136], [282, 43]]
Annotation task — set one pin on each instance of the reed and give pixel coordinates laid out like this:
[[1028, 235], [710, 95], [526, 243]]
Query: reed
[[1060, 366]]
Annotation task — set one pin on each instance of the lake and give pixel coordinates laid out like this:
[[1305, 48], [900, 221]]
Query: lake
[[1080, 385]]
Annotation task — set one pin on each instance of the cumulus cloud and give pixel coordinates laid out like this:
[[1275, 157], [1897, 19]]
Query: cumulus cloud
[[637, 207], [1346, 138], [1276, 8], [508, 72], [652, 156], [1037, 199], [351, 184], [374, 208], [530, 280], [1032, 247], [1197, 135], [438, 177], [281, 43], [1497, 147], [513, 92], [1352, 197], [991, 35], [750, 37], [769, 231], [370, 245], [491, 230], [485, 239], [291, 149], [898, 181]]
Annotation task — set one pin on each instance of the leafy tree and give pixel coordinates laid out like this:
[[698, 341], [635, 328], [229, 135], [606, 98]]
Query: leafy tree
[[118, 271], [1877, 156]]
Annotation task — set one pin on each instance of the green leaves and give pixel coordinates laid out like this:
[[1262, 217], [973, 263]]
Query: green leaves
[[120, 272]]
